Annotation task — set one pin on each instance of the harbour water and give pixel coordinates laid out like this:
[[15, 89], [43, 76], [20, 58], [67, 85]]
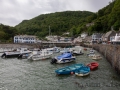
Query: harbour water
[[40, 75]]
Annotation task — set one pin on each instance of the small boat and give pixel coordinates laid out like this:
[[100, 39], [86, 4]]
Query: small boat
[[91, 55], [93, 65], [83, 71], [44, 54], [68, 69], [26, 55], [15, 53], [63, 58], [54, 49], [92, 51], [65, 50], [78, 52], [96, 57]]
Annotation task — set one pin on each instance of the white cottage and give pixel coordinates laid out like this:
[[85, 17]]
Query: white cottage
[[83, 35], [25, 39], [116, 39]]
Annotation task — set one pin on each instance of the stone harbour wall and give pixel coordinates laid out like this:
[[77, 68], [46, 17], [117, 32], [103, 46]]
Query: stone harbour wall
[[17, 45], [111, 53]]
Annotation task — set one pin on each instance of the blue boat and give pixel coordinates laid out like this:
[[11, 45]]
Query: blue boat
[[69, 69], [63, 58], [83, 71]]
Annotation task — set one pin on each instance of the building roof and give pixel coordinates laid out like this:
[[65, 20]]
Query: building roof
[[25, 36], [108, 33], [98, 35]]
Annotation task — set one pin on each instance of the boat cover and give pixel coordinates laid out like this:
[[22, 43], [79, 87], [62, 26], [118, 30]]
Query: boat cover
[[64, 55]]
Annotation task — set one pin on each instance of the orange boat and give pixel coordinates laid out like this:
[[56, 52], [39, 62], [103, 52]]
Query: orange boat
[[93, 65]]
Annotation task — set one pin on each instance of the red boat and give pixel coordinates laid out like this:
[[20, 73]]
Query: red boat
[[93, 65]]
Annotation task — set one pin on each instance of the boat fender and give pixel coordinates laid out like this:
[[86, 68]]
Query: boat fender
[[20, 56], [4, 55]]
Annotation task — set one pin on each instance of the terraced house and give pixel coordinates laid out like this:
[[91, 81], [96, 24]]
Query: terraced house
[[25, 39]]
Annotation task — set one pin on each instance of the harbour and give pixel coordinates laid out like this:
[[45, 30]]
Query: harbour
[[23, 74]]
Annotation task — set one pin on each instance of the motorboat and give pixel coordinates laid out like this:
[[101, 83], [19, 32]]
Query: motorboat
[[83, 71], [68, 69], [91, 55], [92, 51], [65, 50], [96, 57], [24, 55], [54, 49], [77, 52], [63, 58], [93, 65], [15, 53], [42, 55]]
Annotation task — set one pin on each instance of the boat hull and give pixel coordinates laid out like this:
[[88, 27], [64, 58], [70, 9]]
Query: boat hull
[[9, 56], [82, 74], [40, 58], [83, 71], [69, 69], [78, 54], [65, 60], [93, 66]]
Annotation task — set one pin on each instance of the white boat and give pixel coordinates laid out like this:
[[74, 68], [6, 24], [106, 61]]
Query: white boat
[[44, 54], [63, 58], [26, 55], [15, 53], [54, 49], [91, 55], [92, 51], [64, 50], [96, 57], [78, 50]]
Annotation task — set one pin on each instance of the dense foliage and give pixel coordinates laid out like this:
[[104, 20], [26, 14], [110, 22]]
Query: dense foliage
[[59, 22], [7, 33], [107, 17], [74, 22]]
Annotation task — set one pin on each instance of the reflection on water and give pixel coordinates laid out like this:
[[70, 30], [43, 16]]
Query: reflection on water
[[40, 75]]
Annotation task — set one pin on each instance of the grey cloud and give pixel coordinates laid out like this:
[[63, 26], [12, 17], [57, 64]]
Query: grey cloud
[[13, 12]]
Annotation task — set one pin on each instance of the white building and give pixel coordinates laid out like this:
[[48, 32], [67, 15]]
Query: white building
[[52, 38], [116, 38], [25, 39], [96, 37], [83, 35]]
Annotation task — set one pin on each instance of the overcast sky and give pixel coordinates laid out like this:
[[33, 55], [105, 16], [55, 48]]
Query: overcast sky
[[12, 12]]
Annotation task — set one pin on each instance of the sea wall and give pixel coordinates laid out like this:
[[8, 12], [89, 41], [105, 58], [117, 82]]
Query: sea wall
[[111, 53], [17, 45]]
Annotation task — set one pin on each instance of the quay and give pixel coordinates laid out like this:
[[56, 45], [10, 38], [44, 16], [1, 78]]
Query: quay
[[11, 46], [111, 53]]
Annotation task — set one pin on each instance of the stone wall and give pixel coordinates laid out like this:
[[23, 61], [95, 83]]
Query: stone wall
[[17, 45], [111, 53]]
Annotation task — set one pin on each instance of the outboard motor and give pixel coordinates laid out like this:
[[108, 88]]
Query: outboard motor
[[3, 55], [20, 56], [53, 61]]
